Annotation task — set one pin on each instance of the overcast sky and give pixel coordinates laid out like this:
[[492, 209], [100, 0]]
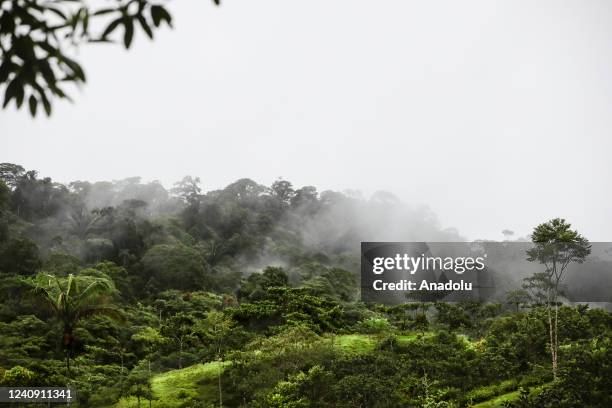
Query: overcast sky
[[494, 114]]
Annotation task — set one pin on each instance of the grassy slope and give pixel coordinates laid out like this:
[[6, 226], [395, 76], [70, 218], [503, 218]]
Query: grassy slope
[[355, 343], [364, 343], [497, 401], [174, 388]]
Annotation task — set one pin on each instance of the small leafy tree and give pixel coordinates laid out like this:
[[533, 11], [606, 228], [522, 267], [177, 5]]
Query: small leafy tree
[[139, 384], [216, 328], [518, 298], [556, 246], [18, 376], [179, 328], [35, 36]]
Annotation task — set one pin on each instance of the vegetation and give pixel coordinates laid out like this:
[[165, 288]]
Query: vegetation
[[36, 38], [556, 247], [248, 297]]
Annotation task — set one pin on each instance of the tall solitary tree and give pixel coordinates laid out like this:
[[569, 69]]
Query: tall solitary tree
[[556, 246], [73, 299]]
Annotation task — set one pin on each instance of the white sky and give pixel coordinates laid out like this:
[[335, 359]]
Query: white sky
[[496, 114]]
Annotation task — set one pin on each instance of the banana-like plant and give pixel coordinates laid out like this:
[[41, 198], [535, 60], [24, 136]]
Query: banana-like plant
[[73, 299]]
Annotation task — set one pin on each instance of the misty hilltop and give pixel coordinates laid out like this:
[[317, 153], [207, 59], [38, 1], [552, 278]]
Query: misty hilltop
[[216, 237]]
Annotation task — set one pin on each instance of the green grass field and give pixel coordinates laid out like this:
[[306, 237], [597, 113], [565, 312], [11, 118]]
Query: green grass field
[[177, 388], [365, 343], [498, 401], [355, 343]]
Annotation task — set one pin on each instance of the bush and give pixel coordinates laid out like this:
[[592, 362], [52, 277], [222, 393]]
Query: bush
[[491, 391], [18, 376], [374, 325]]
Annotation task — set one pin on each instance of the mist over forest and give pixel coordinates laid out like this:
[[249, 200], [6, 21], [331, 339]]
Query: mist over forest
[[241, 228]]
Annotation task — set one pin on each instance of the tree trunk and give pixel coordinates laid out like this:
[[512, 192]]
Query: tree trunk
[[68, 362], [220, 394], [219, 377], [180, 356], [556, 332], [67, 342], [552, 337]]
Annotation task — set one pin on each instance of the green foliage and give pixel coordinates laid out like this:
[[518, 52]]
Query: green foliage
[[374, 325], [335, 282], [256, 285], [23, 339], [300, 389], [490, 391], [452, 315], [354, 343], [34, 37], [282, 306], [556, 246], [518, 298], [138, 384], [174, 267], [73, 299], [177, 268], [19, 256], [557, 242], [18, 377]]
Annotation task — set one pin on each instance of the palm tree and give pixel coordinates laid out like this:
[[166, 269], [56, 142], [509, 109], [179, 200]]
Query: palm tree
[[73, 299]]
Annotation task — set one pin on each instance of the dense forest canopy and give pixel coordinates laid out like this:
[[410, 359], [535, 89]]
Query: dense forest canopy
[[248, 296], [244, 226]]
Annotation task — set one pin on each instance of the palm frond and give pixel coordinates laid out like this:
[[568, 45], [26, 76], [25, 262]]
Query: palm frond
[[95, 289], [46, 296], [72, 286]]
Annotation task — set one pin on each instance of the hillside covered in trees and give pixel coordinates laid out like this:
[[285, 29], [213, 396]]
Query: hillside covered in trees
[[248, 296]]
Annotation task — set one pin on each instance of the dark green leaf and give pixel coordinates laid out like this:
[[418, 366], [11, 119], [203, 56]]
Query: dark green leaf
[[74, 67], [85, 20], [12, 90], [104, 11], [57, 12], [19, 97], [111, 27], [33, 103], [156, 15], [145, 26], [46, 71], [159, 14], [58, 91], [128, 34], [100, 40], [47, 47], [5, 70], [45, 101]]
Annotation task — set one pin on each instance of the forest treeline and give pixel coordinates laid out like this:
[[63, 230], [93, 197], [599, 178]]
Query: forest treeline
[[125, 289]]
